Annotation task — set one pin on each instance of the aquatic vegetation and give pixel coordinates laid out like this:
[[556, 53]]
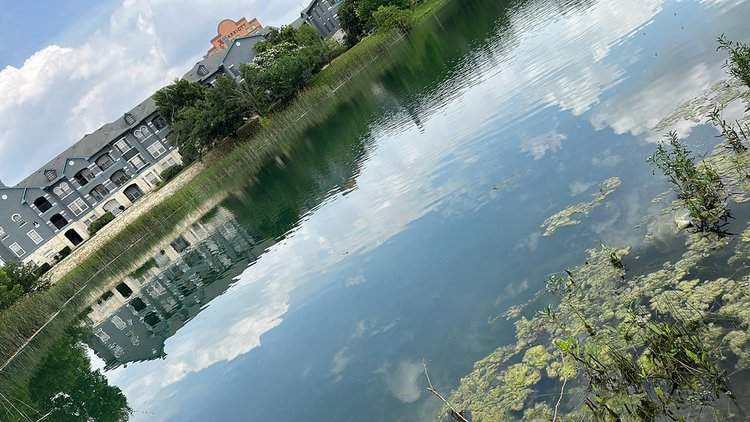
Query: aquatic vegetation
[[699, 186], [594, 336], [695, 110], [738, 63], [572, 215]]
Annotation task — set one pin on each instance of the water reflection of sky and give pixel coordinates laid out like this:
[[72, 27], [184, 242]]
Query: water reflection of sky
[[442, 231]]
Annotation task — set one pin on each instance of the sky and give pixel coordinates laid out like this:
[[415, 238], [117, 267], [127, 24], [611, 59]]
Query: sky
[[68, 67]]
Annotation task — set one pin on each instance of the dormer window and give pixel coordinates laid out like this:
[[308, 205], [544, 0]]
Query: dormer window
[[129, 119], [51, 175], [202, 70]]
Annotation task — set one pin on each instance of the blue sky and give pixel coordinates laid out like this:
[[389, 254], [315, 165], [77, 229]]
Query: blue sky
[[67, 67], [52, 21]]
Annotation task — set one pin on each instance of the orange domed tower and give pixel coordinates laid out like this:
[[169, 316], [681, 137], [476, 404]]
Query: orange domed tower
[[228, 30]]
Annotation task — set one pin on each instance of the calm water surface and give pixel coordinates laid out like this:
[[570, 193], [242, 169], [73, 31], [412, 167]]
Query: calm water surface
[[400, 229]]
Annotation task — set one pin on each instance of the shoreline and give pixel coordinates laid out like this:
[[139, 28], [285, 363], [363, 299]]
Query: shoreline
[[36, 321]]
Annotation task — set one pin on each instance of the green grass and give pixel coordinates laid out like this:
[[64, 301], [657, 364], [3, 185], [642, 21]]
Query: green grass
[[277, 135]]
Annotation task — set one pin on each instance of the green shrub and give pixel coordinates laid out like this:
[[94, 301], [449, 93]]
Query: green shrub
[[392, 17], [100, 222], [170, 173]]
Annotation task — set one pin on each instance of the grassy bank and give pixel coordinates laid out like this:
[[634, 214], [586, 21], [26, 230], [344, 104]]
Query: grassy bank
[[343, 79]]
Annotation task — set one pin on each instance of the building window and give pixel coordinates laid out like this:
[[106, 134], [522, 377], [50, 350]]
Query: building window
[[34, 236], [83, 177], [137, 162], [156, 149], [141, 133], [62, 190], [169, 163], [58, 221], [104, 162], [119, 178], [159, 123], [42, 204], [78, 206], [99, 192], [129, 119], [16, 218], [51, 175], [152, 178], [122, 145], [90, 219], [17, 249]]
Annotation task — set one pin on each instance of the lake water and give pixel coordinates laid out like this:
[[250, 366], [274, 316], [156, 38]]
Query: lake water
[[400, 229]]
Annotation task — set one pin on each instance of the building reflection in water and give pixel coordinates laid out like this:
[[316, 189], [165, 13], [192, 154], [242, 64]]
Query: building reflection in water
[[132, 321]]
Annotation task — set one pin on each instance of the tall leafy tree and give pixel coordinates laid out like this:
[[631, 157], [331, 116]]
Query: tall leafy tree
[[176, 96], [350, 22]]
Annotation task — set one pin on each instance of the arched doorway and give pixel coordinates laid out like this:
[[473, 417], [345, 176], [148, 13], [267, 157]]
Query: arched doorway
[[133, 192], [74, 237], [58, 221]]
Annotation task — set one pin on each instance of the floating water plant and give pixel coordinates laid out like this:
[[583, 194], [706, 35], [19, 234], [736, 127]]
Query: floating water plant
[[572, 215]]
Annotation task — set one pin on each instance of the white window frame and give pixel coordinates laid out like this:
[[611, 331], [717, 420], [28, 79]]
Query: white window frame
[[35, 237], [3, 234], [17, 249], [169, 163], [156, 177], [157, 149], [78, 207], [137, 156], [120, 143]]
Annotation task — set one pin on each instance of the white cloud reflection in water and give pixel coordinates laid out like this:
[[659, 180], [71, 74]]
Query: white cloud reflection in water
[[397, 187]]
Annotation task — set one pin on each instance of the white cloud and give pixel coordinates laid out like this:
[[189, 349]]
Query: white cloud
[[64, 91], [356, 280], [538, 147], [404, 380], [606, 159], [340, 361], [578, 187]]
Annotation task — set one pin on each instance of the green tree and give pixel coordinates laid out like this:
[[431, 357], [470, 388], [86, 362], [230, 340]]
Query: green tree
[[392, 17], [350, 22], [68, 390], [176, 96], [366, 10], [17, 280]]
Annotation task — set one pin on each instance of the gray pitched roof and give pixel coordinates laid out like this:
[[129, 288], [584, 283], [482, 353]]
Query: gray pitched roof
[[90, 144], [213, 63], [306, 10]]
